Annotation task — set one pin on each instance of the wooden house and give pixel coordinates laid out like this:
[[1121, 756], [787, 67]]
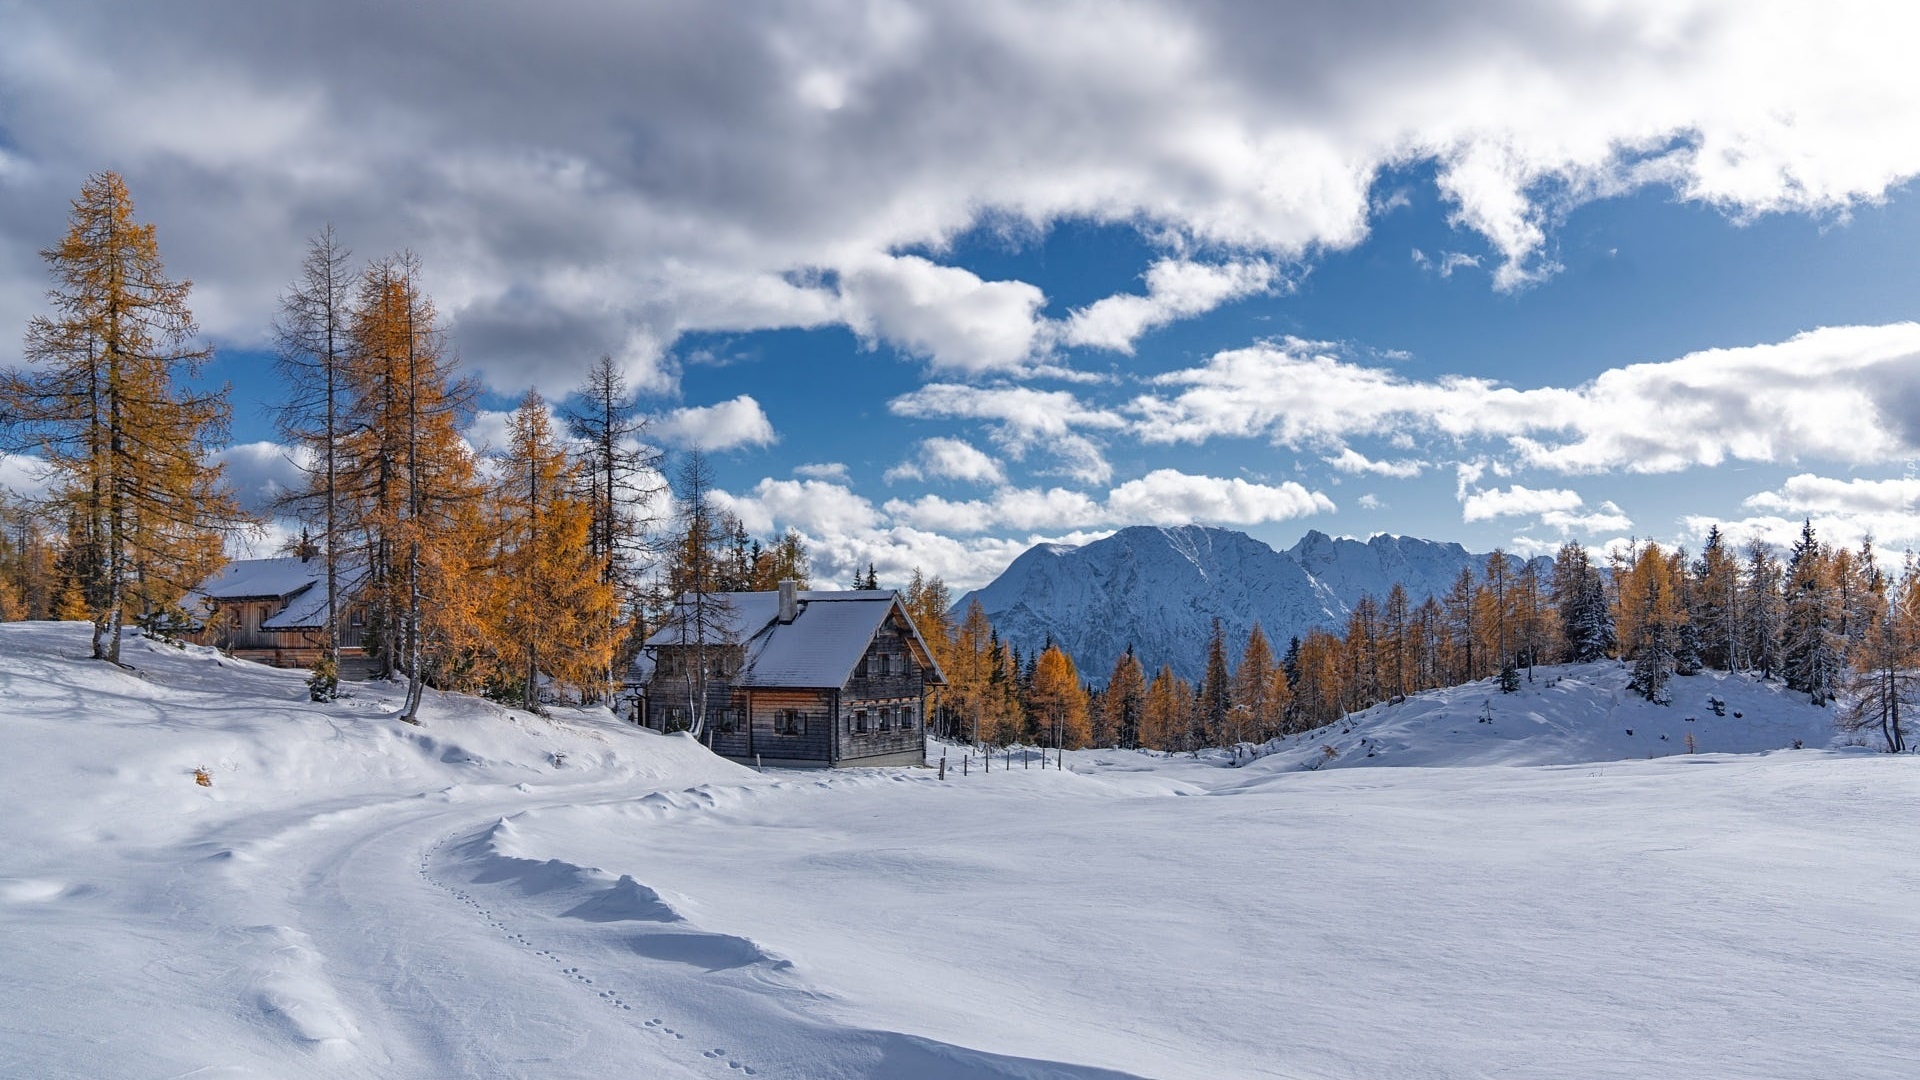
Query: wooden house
[[792, 678], [274, 611]]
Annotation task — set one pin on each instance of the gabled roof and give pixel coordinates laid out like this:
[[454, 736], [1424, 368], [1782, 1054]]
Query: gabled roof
[[262, 579], [300, 584], [829, 634]]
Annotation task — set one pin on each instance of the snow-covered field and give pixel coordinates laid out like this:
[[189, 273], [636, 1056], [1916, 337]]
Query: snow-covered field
[[500, 895]]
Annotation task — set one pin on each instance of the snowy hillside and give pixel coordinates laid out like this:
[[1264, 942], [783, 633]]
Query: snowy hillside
[[494, 894], [1567, 715], [1159, 589]]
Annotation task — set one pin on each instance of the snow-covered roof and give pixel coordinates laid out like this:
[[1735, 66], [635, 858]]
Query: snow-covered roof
[[262, 579], [829, 634], [301, 584]]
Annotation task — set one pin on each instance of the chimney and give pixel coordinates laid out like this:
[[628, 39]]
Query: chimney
[[789, 601]]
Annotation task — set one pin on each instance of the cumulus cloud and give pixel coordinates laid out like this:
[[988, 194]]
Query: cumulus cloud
[[1350, 460], [949, 459], [944, 313], [1807, 493], [1517, 501], [823, 470], [1161, 497], [784, 160], [729, 424], [1176, 289], [261, 472], [1842, 511], [1606, 518], [1839, 393], [1021, 418]]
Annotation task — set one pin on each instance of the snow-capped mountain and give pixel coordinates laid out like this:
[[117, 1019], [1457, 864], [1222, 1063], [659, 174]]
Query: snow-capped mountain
[[1159, 590]]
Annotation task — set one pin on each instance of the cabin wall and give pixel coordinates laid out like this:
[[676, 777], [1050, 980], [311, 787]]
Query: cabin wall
[[816, 710], [888, 678]]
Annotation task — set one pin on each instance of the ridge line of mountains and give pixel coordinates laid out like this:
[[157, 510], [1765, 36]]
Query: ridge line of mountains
[[1159, 589]]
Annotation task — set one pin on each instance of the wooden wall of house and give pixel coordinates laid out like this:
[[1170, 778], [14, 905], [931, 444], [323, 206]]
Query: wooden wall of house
[[815, 705], [898, 738]]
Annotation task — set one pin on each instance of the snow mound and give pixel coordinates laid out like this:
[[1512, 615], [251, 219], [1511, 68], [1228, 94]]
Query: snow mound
[[1563, 715]]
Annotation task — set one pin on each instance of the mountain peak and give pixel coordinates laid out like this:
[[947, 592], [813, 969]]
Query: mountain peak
[[1159, 588]]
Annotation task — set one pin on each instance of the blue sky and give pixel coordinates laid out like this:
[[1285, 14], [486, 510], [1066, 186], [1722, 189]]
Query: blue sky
[[933, 285]]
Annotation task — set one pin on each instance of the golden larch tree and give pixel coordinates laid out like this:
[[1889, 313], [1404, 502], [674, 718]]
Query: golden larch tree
[[553, 608], [107, 399]]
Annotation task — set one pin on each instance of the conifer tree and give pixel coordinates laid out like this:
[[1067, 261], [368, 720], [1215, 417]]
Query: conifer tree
[[1123, 704], [29, 561], [1715, 610], [408, 479], [622, 480], [1579, 594], [1166, 720], [1885, 685], [1462, 627], [103, 399], [964, 698], [1532, 628], [1761, 610], [1216, 694], [1396, 632], [314, 338], [1811, 646], [702, 617], [555, 608], [1057, 700], [786, 560], [1254, 707]]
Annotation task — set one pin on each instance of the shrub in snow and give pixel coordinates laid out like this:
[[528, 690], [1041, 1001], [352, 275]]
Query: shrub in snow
[[323, 682]]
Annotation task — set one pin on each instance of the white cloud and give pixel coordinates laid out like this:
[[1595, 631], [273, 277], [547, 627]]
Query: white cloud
[[729, 424], [1176, 289], [261, 472], [946, 314], [826, 470], [816, 507], [1517, 501], [24, 475], [788, 149], [1842, 394], [1890, 531], [1350, 460], [1162, 497], [1607, 518], [1370, 501], [1022, 418], [949, 459], [1808, 494]]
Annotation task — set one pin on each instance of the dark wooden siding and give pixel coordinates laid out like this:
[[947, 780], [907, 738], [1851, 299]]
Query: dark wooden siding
[[816, 706], [899, 689]]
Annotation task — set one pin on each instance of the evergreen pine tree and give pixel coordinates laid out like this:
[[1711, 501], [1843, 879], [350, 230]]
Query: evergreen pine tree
[[1811, 645], [1216, 694]]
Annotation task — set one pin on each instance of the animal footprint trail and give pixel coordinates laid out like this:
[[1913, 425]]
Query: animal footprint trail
[[573, 973]]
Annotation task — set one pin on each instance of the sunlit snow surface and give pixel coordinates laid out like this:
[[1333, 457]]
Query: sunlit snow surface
[[500, 895]]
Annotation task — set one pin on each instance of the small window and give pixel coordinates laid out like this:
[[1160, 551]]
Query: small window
[[883, 658], [789, 722], [860, 722], [356, 618], [906, 718], [886, 719]]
